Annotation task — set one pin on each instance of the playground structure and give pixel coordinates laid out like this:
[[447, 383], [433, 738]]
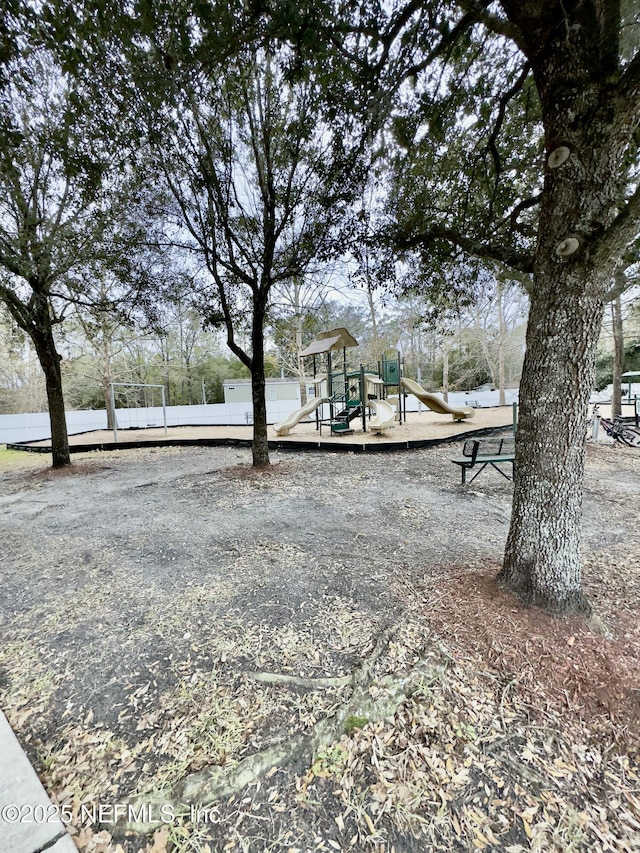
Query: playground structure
[[384, 415], [284, 427], [435, 403], [344, 394]]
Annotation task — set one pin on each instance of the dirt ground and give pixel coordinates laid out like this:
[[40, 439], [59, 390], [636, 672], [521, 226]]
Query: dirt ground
[[316, 656]]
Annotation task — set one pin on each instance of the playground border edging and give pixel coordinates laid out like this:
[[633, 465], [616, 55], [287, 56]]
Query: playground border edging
[[274, 444]]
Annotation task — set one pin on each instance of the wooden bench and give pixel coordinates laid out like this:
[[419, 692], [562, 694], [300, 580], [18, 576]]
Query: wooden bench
[[480, 452]]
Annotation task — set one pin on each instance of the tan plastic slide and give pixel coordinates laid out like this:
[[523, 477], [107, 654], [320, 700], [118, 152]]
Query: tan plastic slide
[[384, 415], [285, 426], [435, 403]]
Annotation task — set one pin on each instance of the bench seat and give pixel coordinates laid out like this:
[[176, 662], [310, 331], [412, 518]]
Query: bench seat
[[483, 452]]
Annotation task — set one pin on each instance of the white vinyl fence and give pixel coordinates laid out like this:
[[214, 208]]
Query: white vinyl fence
[[35, 426]]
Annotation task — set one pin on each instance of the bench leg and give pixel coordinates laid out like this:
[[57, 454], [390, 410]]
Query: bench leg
[[493, 465], [479, 471], [500, 471]]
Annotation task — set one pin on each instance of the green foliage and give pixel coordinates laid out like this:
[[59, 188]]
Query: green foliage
[[183, 386], [604, 364], [258, 185], [472, 159], [604, 371], [354, 722], [329, 761]]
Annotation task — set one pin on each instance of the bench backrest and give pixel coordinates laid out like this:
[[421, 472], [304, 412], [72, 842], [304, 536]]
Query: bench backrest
[[487, 447]]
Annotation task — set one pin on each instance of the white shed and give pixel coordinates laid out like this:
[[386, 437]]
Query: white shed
[[276, 390]]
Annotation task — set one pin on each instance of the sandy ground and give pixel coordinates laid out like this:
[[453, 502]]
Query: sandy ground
[[426, 425]]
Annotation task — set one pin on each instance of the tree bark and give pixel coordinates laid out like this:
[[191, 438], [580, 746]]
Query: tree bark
[[501, 344], [542, 562], [260, 443], [445, 370], [297, 316], [108, 403], [107, 379], [41, 334], [376, 354], [618, 357]]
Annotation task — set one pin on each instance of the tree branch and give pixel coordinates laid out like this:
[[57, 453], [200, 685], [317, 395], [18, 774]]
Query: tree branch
[[446, 43], [623, 282], [495, 24], [628, 91], [621, 233], [621, 285], [526, 204], [520, 261], [18, 310], [503, 103]]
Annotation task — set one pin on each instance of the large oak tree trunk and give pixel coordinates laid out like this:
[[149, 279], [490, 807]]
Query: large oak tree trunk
[[584, 145], [542, 562]]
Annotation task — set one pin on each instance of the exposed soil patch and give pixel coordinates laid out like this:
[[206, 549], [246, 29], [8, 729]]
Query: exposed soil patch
[[170, 615], [51, 474]]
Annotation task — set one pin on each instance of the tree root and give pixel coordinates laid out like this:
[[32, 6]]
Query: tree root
[[205, 787], [360, 673], [518, 581], [299, 681]]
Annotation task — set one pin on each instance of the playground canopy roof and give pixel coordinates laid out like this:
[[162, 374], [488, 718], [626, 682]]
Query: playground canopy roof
[[327, 341], [630, 373]]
